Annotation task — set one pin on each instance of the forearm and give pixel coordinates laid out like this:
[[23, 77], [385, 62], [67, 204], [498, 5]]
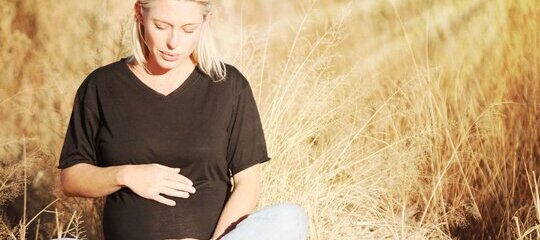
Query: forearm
[[242, 201], [86, 180]]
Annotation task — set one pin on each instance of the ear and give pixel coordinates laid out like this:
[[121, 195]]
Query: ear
[[137, 9]]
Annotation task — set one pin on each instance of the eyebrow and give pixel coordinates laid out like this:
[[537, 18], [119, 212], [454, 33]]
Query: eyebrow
[[158, 20]]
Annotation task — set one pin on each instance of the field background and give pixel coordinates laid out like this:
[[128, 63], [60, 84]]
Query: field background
[[385, 119]]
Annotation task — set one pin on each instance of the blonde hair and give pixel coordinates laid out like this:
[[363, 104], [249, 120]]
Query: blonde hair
[[205, 54]]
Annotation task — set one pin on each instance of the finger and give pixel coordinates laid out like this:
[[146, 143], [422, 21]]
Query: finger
[[173, 192], [179, 178], [175, 170], [179, 186], [164, 200]]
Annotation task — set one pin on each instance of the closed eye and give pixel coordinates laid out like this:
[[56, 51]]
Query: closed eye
[[160, 27]]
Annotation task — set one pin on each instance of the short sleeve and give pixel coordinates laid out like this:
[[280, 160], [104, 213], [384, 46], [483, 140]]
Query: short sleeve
[[247, 144], [79, 141]]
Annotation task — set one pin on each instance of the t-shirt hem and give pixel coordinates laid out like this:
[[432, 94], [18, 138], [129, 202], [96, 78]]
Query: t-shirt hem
[[247, 165], [69, 164]]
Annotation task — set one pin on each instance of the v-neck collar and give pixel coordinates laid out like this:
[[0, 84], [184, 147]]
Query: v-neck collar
[[194, 75]]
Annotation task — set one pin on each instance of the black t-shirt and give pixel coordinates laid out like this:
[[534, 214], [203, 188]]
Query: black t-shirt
[[211, 130]]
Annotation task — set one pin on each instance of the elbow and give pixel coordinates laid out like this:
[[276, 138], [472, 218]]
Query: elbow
[[65, 184], [74, 181], [71, 183], [251, 189], [255, 191], [257, 195]]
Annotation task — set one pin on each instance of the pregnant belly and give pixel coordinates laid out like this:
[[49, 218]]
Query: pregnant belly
[[126, 215]]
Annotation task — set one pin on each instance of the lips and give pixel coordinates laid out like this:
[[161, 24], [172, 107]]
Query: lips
[[169, 56]]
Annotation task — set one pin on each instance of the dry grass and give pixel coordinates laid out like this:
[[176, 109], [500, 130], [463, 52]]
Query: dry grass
[[399, 119]]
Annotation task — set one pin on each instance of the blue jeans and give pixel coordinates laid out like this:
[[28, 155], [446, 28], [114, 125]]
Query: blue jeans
[[282, 221]]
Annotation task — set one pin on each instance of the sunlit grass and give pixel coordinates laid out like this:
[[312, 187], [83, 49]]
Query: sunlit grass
[[399, 119]]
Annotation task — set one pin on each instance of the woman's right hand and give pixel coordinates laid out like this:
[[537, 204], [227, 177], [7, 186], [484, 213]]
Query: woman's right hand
[[150, 180]]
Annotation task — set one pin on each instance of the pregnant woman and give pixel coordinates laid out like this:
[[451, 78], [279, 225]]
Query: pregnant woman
[[173, 138]]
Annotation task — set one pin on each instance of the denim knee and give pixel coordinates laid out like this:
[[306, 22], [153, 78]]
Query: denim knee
[[292, 216], [291, 211], [283, 221]]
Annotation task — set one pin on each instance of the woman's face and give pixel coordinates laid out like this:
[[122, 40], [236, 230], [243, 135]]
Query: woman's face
[[171, 29]]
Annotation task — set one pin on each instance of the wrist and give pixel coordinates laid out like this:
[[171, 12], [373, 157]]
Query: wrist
[[122, 175]]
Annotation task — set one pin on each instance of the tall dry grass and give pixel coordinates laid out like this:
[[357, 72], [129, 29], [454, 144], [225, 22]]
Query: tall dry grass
[[399, 119]]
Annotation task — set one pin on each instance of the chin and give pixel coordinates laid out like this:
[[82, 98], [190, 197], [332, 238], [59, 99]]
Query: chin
[[167, 65]]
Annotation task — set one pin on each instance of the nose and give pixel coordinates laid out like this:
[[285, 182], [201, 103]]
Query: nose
[[173, 40]]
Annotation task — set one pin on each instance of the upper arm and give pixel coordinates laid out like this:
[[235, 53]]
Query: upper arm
[[248, 176]]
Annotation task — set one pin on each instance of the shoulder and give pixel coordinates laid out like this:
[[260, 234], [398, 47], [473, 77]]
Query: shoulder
[[98, 76], [104, 72], [235, 78]]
